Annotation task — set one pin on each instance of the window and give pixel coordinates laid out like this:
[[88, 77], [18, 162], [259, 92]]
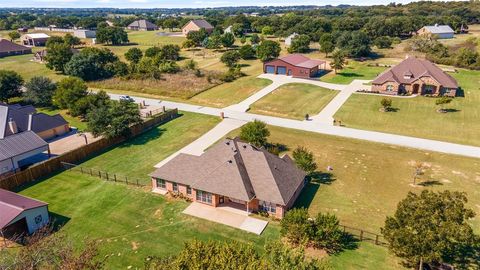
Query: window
[[390, 88], [267, 207], [429, 89], [161, 184], [175, 187], [189, 190], [204, 197]]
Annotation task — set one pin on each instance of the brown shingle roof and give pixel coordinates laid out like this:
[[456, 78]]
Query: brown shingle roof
[[412, 69], [7, 46], [201, 23], [238, 170], [143, 24], [13, 204]]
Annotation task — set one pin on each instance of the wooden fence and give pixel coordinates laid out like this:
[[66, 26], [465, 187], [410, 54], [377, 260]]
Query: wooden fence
[[365, 236], [54, 164], [107, 176]]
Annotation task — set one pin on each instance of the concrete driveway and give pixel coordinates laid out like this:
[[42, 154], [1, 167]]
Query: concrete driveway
[[69, 142], [227, 216]]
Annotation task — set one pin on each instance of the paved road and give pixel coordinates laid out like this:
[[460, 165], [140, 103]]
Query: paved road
[[277, 81], [400, 140]]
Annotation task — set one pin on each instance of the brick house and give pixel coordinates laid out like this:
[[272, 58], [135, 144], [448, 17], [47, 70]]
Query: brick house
[[196, 25], [415, 76], [235, 173], [8, 48], [142, 25], [296, 65]]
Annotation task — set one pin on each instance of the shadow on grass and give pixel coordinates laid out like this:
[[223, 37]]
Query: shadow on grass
[[314, 182], [452, 110], [460, 92], [58, 221], [430, 183], [391, 109], [350, 74]]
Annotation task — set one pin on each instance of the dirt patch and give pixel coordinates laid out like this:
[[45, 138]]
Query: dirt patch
[[158, 213], [314, 253], [135, 245]]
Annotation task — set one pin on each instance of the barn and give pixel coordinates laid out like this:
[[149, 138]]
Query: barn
[[35, 39], [20, 214], [295, 65]]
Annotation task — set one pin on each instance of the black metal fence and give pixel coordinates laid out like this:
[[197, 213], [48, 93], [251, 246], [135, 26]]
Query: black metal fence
[[107, 176]]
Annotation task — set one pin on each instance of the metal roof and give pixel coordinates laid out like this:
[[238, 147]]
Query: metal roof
[[13, 204], [20, 143], [440, 29]]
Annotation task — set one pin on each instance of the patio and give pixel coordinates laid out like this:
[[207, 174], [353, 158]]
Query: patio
[[227, 215]]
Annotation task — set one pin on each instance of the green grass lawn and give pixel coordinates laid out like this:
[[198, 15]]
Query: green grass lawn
[[230, 93], [353, 71], [294, 100], [136, 157], [27, 68], [418, 116], [369, 179], [74, 121]]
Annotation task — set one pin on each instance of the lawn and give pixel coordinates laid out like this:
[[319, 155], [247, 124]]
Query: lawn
[[369, 179], [294, 100], [353, 71], [136, 157], [418, 116], [74, 121], [27, 68]]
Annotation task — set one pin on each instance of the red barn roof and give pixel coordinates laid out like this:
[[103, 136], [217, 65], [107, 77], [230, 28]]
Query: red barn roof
[[13, 204], [300, 60]]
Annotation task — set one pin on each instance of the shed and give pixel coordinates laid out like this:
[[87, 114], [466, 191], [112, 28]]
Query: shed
[[440, 31], [35, 39], [83, 33], [296, 65], [20, 214]]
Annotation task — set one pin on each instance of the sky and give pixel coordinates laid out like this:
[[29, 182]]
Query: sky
[[181, 3]]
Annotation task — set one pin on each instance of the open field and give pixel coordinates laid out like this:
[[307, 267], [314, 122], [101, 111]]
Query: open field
[[418, 117], [294, 100], [353, 71], [74, 121], [23, 65], [369, 179], [136, 157]]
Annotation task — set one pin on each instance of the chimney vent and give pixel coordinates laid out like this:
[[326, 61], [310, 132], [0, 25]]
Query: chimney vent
[[13, 126], [30, 120]]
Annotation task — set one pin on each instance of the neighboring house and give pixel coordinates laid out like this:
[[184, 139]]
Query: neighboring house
[[25, 118], [109, 23], [296, 65], [440, 31], [8, 48], [196, 25], [228, 30], [83, 33], [415, 76], [235, 173], [35, 39], [40, 56], [289, 39], [20, 214], [142, 25]]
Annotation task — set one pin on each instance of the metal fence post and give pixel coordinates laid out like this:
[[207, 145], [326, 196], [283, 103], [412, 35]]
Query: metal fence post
[[115, 177], [361, 235], [376, 239]]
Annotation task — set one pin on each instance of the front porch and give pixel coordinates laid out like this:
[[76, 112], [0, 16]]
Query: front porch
[[230, 214]]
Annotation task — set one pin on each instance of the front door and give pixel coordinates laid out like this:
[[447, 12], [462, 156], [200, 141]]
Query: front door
[[221, 199], [415, 89]]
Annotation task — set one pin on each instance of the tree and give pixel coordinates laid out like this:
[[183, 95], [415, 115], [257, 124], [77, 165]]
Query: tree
[[230, 58], [69, 91], [238, 30], [197, 37], [268, 50], [255, 133], [355, 44], [228, 39], [91, 64], [247, 52], [114, 119], [14, 35], [58, 55], [386, 104], [304, 160], [267, 31], [71, 40], [39, 91], [300, 44], [10, 84], [442, 101], [338, 61], [327, 44], [152, 51], [133, 55], [169, 52], [431, 228], [296, 226], [327, 233], [383, 42], [89, 102], [112, 35], [243, 40], [254, 39]]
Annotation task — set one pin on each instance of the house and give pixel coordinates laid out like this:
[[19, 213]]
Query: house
[[235, 173], [296, 65], [440, 31], [8, 48], [84, 33], [289, 39], [415, 76], [142, 25], [16, 118], [20, 214], [35, 39], [196, 25]]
